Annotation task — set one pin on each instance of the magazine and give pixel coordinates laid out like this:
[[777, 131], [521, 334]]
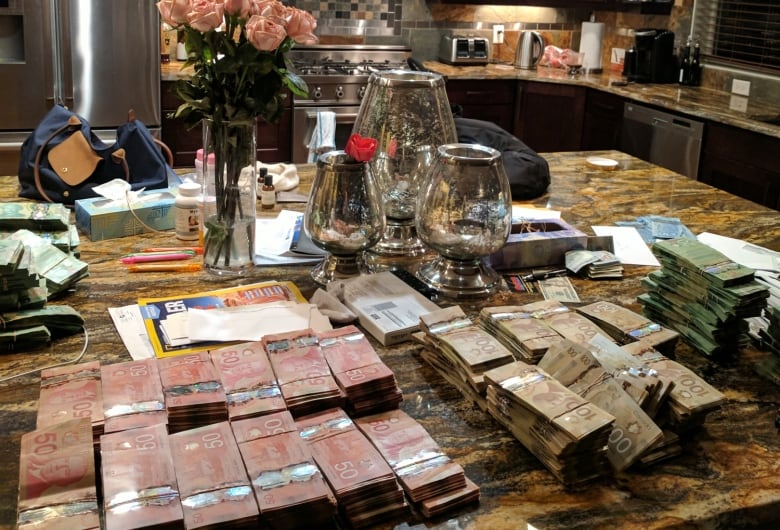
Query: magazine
[[165, 319]]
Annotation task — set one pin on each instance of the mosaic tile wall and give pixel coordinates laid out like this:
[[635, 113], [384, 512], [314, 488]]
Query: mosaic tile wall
[[362, 18]]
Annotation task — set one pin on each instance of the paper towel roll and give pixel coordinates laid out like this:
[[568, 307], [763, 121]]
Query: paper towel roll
[[590, 44]]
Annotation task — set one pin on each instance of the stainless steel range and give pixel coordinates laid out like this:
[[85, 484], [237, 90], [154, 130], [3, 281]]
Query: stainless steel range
[[337, 76]]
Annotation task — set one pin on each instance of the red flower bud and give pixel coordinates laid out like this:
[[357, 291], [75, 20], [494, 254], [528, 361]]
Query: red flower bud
[[359, 148]]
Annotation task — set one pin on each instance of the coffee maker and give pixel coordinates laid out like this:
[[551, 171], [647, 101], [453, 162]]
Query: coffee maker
[[653, 59]]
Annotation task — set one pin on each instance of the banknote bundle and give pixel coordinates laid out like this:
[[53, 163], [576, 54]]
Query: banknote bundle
[[653, 228], [594, 264], [367, 382], [566, 432], [22, 288], [302, 372], [193, 392], [522, 328], [769, 335], [691, 398], [32, 327], [576, 368], [70, 392], [57, 478], [67, 240], [462, 351], [132, 395], [248, 380], [364, 483], [625, 326], [61, 270], [289, 487], [140, 489], [431, 480], [213, 484], [703, 295], [41, 216]]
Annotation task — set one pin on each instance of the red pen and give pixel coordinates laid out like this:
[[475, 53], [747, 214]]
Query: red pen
[[156, 256]]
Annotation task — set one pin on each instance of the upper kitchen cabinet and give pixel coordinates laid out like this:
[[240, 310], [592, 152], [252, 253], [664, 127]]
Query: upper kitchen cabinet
[[549, 117]]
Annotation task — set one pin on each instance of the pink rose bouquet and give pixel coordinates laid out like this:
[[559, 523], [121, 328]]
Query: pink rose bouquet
[[237, 49]]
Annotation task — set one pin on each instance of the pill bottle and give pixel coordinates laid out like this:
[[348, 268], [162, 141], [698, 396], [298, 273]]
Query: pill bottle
[[187, 211]]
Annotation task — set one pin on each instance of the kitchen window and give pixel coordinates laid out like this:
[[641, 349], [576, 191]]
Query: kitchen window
[[743, 33]]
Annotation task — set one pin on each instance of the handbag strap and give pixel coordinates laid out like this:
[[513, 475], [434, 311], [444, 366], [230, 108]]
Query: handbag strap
[[74, 124]]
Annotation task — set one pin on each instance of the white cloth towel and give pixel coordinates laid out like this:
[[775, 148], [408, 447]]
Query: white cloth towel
[[323, 137]]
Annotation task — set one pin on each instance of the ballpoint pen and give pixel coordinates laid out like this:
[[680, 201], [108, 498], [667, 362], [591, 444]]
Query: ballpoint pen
[[165, 267], [196, 250], [146, 257], [535, 276]]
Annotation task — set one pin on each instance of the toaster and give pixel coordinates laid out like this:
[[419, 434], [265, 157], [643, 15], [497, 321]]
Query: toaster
[[464, 50]]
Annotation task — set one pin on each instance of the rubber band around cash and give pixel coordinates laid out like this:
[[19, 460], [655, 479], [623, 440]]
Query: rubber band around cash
[[210, 498], [541, 314], [243, 396], [35, 516], [300, 472], [645, 331], [327, 428]]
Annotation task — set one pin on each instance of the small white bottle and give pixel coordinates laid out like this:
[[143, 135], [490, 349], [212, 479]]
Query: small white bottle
[[187, 211]]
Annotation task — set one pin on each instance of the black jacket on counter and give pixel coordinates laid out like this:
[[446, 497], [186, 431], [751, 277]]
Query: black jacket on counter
[[529, 173]]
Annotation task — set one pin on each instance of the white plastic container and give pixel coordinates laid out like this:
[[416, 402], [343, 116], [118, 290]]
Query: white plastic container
[[188, 211]]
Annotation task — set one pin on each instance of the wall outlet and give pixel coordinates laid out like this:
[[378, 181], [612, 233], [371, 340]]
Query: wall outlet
[[498, 34], [740, 87]]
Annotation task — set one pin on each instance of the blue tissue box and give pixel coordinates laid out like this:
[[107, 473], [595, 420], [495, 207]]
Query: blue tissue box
[[101, 218], [538, 243]]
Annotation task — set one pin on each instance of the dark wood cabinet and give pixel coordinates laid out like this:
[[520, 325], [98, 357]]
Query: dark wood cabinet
[[273, 140], [644, 7], [488, 100], [742, 162], [603, 120], [549, 117]]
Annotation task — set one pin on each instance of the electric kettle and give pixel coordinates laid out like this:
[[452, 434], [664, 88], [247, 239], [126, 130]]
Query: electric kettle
[[530, 48]]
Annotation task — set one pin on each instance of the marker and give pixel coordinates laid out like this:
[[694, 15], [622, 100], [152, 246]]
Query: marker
[[535, 276], [195, 250], [165, 267], [156, 256]]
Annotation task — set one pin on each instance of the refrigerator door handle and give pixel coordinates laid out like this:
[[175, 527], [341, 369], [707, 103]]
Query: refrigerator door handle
[[63, 50]]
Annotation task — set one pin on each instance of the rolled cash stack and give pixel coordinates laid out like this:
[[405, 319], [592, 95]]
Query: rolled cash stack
[[565, 432], [71, 392], [369, 385], [364, 483], [703, 295], [132, 395], [461, 351], [279, 461], [691, 398], [213, 483], [432, 481], [522, 328], [140, 488], [68, 497], [248, 380], [625, 326], [194, 395], [302, 372]]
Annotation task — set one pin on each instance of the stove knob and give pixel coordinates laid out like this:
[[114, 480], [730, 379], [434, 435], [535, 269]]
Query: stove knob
[[317, 94], [339, 92], [362, 92]]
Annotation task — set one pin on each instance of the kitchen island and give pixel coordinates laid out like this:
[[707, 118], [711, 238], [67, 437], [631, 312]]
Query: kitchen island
[[727, 477]]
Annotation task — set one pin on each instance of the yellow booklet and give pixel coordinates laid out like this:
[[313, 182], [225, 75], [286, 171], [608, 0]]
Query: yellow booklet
[[165, 319]]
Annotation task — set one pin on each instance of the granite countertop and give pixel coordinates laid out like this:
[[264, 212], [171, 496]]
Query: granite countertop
[[727, 476], [699, 102]]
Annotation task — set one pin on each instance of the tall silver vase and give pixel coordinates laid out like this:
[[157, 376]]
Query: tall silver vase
[[409, 115]]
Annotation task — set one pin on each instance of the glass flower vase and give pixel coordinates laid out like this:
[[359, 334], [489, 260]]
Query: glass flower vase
[[229, 197], [344, 215]]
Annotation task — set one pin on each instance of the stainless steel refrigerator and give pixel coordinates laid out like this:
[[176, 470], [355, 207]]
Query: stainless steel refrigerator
[[100, 58]]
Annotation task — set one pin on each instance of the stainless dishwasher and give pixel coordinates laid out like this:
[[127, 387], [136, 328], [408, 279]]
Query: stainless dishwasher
[[669, 140]]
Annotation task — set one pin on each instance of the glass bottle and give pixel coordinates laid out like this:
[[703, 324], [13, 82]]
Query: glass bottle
[[267, 191], [685, 64], [696, 66]]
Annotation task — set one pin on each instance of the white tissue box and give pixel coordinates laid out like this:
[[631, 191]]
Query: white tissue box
[[101, 218]]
